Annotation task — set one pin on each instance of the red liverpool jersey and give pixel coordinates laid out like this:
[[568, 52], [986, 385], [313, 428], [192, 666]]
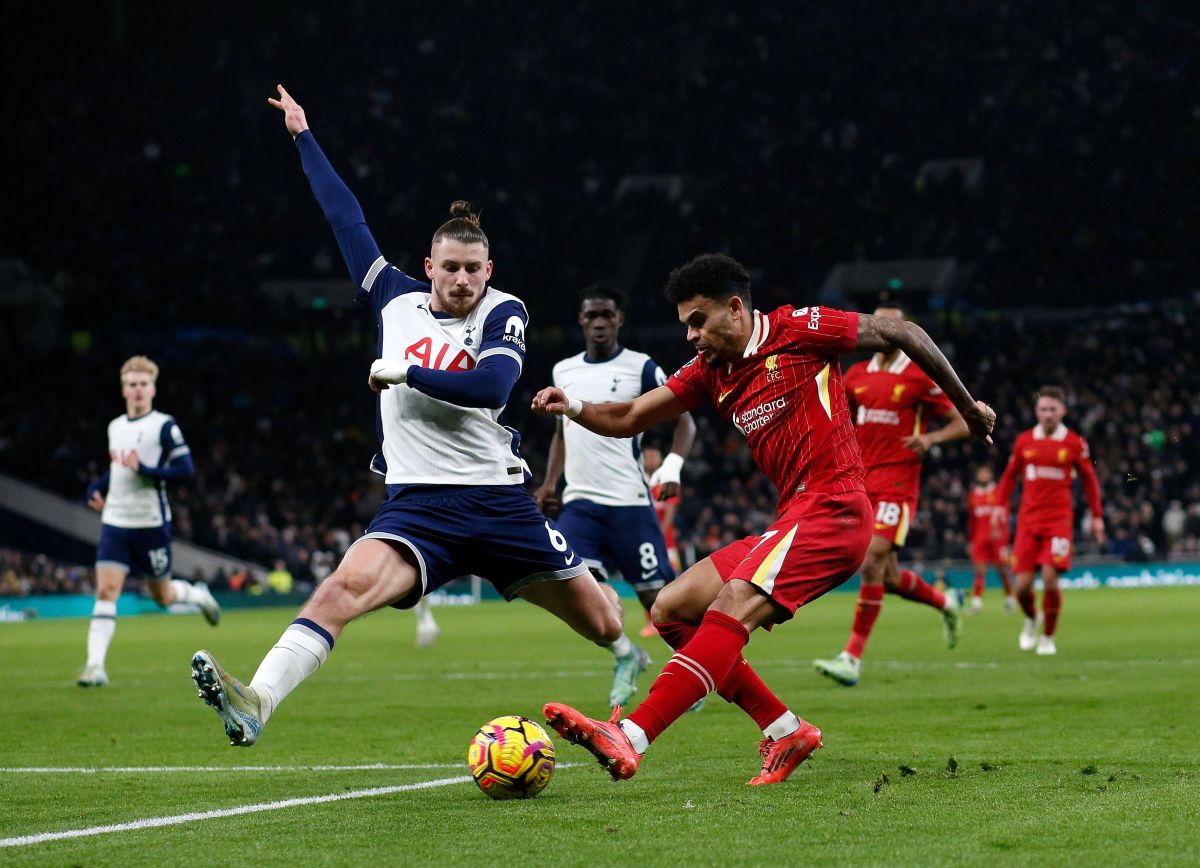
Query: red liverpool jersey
[[982, 504], [1047, 463], [660, 507], [889, 403], [785, 395]]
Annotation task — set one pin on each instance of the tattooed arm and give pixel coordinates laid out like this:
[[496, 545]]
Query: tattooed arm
[[884, 334]]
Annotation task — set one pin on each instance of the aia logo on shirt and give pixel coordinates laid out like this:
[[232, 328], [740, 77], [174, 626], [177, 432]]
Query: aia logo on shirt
[[423, 353]]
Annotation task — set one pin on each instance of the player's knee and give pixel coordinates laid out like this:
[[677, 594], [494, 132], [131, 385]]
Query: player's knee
[[875, 572], [160, 592], [669, 606]]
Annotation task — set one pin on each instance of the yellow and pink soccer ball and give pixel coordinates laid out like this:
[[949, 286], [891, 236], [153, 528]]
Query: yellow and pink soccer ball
[[511, 757]]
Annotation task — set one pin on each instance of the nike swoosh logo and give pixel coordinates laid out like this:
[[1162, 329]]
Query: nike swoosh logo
[[721, 397], [649, 574], [570, 560]]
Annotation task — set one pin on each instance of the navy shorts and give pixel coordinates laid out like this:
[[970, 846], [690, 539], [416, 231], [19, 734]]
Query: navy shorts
[[627, 538], [143, 551], [491, 531]]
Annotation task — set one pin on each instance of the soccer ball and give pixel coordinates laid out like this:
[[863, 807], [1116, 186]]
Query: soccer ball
[[511, 758]]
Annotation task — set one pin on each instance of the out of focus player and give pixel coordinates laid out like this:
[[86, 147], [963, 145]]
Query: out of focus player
[[146, 451], [1045, 459], [451, 351], [988, 535], [776, 377], [891, 400], [607, 512], [665, 507]]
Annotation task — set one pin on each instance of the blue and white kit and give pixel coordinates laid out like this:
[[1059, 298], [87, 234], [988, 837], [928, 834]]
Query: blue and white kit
[[135, 530], [456, 496], [608, 513]]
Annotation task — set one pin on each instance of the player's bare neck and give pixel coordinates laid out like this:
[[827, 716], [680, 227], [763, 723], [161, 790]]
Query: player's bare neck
[[601, 352], [886, 359]]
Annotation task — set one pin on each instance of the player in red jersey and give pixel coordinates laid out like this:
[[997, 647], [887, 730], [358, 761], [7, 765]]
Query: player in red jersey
[[776, 376], [891, 400], [989, 538], [1047, 458]]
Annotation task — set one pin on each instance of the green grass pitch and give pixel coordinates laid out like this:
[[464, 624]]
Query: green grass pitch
[[982, 755]]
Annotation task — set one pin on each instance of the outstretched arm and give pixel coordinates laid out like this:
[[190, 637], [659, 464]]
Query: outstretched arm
[[623, 419], [339, 204], [884, 334], [1091, 490]]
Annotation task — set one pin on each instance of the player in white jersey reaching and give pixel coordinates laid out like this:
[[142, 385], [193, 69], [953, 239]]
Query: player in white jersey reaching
[[146, 450], [607, 510], [450, 352]]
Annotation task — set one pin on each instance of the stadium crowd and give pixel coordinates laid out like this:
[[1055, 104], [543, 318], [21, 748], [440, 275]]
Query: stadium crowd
[[161, 211]]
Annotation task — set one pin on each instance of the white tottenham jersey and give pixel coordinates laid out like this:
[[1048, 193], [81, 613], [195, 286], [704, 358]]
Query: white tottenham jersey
[[605, 470], [135, 501], [426, 440]]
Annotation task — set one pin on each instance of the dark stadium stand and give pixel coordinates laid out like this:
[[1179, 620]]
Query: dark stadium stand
[[154, 222]]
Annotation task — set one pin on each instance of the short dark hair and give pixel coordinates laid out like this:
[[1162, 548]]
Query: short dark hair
[[602, 290], [1058, 393], [710, 275], [463, 225]]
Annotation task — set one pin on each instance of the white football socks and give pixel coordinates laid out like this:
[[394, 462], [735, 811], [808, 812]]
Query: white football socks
[[100, 631], [623, 647], [636, 736], [299, 653], [783, 726]]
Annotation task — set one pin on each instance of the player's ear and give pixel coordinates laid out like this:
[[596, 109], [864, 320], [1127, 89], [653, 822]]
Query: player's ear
[[488, 275], [429, 268]]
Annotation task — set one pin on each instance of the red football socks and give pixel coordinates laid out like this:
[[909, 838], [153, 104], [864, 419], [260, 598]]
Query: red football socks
[[1028, 604], [1051, 606], [1005, 580], [742, 687], [977, 587], [913, 587], [870, 603], [677, 633], [693, 672]]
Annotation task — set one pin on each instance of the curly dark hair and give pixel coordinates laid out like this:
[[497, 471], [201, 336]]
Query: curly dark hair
[[710, 275]]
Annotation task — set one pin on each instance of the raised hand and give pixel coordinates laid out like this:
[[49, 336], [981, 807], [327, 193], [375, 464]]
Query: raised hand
[[131, 460], [293, 114], [96, 501]]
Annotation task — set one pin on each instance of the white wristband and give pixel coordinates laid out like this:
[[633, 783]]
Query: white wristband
[[391, 372], [574, 408], [669, 470]]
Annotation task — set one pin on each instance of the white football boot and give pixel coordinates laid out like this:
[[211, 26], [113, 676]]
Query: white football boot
[[1029, 633], [1045, 646]]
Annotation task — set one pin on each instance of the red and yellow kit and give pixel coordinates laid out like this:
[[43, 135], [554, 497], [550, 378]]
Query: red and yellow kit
[[988, 536], [889, 403], [785, 395], [1046, 464]]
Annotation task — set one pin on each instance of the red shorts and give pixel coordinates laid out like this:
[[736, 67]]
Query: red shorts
[[818, 543], [893, 514], [1039, 546], [989, 550]]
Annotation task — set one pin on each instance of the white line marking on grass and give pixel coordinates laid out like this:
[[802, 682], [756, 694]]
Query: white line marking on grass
[[93, 770], [179, 819], [196, 816]]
